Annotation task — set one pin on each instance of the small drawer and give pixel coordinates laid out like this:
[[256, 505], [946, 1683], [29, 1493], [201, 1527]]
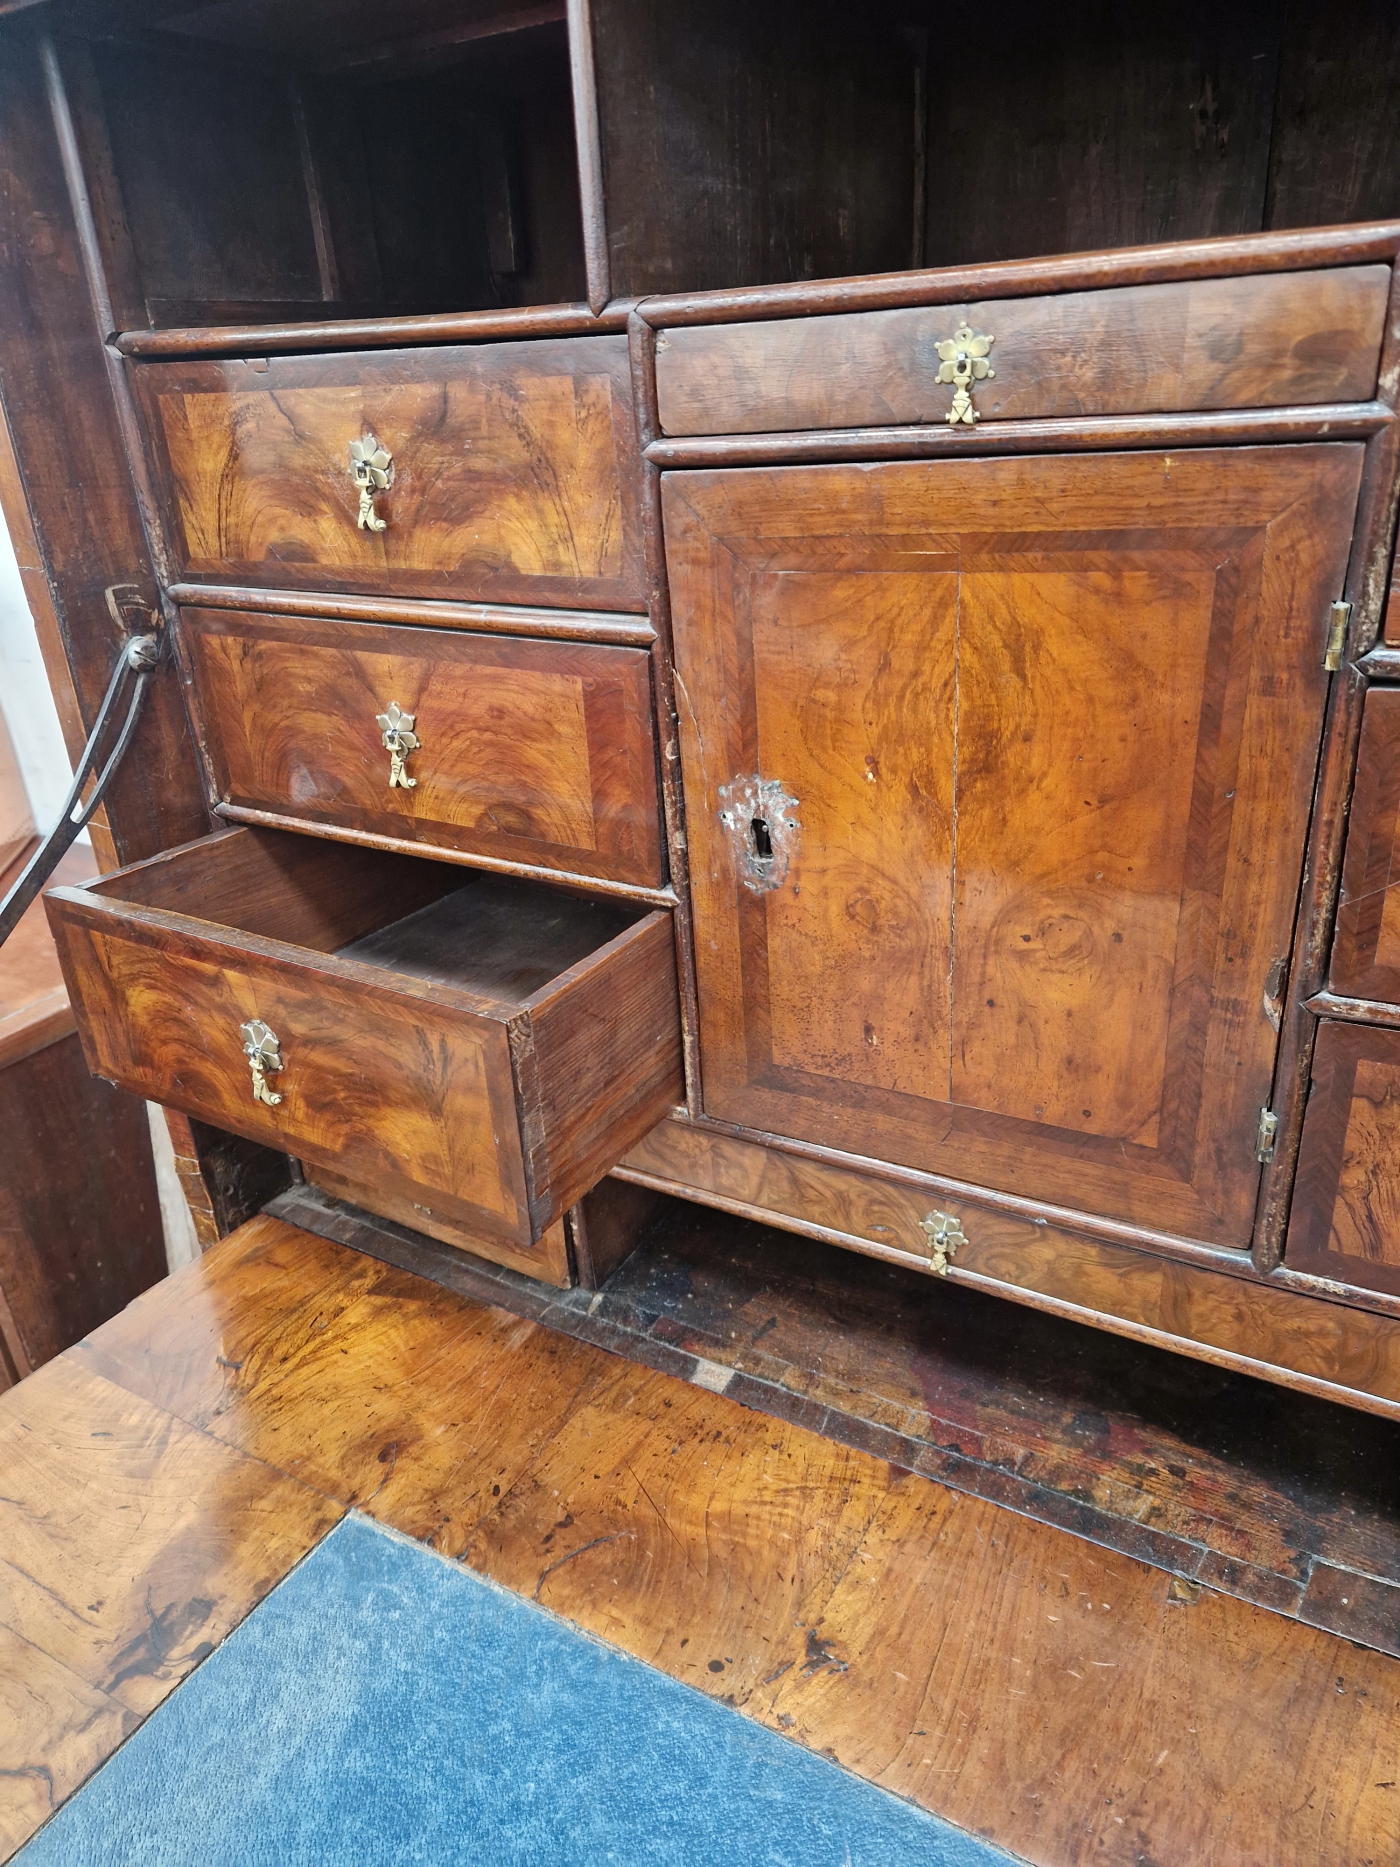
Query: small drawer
[[472, 1048], [1344, 1223], [504, 472], [539, 753], [1366, 944], [1261, 342]]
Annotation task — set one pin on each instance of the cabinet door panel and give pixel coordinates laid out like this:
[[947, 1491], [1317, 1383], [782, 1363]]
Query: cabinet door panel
[[1345, 1220], [997, 778]]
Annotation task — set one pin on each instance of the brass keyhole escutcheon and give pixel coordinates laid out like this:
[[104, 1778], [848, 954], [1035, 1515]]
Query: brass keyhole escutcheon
[[964, 362], [372, 470], [263, 1049], [396, 730], [944, 1233]]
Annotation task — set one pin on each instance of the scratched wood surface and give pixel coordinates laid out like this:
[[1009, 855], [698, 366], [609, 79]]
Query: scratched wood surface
[[996, 697], [1061, 1700], [479, 1046], [515, 472], [535, 752], [1209, 343]]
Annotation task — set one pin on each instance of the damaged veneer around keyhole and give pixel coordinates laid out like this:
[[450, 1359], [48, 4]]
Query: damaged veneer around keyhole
[[755, 815]]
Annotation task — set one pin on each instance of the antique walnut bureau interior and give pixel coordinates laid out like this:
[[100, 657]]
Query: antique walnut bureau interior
[[704, 665]]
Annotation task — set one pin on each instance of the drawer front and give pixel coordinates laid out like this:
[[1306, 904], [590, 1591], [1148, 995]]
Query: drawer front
[[512, 472], [400, 1093], [540, 753], [472, 1049], [1345, 1218], [1366, 946], [1263, 342]]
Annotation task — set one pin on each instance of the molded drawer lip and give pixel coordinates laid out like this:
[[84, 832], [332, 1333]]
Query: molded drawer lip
[[1266, 340], [494, 1107], [516, 471], [534, 755]]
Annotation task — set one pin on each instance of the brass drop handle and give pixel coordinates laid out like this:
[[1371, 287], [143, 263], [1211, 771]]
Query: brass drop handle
[[944, 1233], [372, 470], [263, 1049], [396, 729], [964, 362]]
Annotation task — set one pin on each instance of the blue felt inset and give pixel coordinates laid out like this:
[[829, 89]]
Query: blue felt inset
[[383, 1706]]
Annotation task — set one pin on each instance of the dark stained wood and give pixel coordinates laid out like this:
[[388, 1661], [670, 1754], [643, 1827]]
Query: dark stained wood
[[480, 1050], [80, 1225], [1201, 344], [535, 752], [72, 464], [592, 194], [1068, 435], [721, 1528], [1234, 1319], [514, 472], [743, 144], [1366, 943], [1345, 1219], [1075, 127], [576, 625], [1019, 278], [1336, 153], [274, 339], [34, 1007], [889, 646], [606, 1227], [226, 1180]]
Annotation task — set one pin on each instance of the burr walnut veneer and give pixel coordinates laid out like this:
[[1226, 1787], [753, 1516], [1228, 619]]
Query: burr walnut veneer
[[727, 665]]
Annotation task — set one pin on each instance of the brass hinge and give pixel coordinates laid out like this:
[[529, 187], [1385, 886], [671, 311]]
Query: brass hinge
[[1337, 637], [1265, 1136]]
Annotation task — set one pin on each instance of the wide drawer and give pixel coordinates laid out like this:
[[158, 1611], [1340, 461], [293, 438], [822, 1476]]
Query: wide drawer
[[472, 1048], [511, 474], [1262, 342], [1345, 1219], [1366, 945], [532, 752]]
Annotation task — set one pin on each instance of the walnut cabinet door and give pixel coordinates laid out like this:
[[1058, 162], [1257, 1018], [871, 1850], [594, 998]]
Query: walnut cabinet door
[[997, 780]]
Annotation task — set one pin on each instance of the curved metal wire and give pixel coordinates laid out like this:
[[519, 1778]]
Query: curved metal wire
[[137, 662]]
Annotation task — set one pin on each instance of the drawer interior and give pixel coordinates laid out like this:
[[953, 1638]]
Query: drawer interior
[[498, 937]]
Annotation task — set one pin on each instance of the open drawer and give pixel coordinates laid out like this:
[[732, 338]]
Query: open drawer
[[466, 1051]]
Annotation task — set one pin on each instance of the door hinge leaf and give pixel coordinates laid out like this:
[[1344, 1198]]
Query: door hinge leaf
[[1336, 636], [1266, 1136]]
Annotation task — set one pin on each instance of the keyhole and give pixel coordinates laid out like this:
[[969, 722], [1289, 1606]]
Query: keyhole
[[762, 841]]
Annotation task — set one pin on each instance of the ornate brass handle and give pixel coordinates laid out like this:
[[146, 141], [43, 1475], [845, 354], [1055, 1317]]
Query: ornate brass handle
[[372, 470], [944, 1233], [964, 362], [263, 1049], [396, 728]]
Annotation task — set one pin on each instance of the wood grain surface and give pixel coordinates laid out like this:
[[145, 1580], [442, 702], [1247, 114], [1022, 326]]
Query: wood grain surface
[[477, 1049], [1199, 1308], [1345, 1219], [1070, 1703], [515, 474], [1201, 344], [1049, 729], [1366, 943], [535, 752]]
